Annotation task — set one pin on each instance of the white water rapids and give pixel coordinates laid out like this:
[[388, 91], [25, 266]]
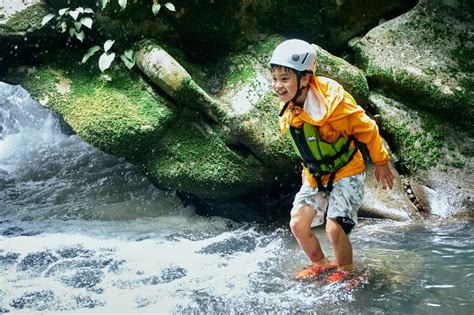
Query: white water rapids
[[82, 231]]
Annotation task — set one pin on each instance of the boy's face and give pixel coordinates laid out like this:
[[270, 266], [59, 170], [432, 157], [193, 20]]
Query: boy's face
[[284, 83]]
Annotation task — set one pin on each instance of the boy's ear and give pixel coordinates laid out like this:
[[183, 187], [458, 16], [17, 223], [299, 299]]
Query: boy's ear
[[305, 79]]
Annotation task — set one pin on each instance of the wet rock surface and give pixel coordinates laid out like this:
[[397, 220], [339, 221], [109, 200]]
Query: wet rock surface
[[209, 129]]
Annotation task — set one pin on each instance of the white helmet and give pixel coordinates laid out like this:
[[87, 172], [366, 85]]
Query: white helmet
[[295, 54]]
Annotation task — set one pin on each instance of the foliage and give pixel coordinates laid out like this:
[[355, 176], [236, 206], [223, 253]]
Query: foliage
[[72, 20]]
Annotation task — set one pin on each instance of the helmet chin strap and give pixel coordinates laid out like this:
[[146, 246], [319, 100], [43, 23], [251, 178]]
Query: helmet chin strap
[[299, 91]]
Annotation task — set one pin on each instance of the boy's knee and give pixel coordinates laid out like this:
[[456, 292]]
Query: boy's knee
[[334, 231], [300, 222], [299, 227], [338, 226], [295, 226]]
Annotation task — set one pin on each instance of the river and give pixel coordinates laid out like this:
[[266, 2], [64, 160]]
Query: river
[[82, 231]]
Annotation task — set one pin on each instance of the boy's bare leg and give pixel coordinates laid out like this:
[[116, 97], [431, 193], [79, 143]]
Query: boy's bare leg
[[340, 243], [300, 225]]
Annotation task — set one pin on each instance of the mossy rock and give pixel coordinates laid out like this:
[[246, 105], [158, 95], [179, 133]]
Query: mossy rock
[[245, 78], [438, 156], [351, 78], [194, 157], [118, 114], [426, 56], [253, 108], [22, 36]]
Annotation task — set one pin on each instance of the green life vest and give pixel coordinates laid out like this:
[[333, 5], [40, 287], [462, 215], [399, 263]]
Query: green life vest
[[321, 158]]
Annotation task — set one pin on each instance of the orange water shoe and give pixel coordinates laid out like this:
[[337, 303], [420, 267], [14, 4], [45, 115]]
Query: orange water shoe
[[313, 271], [339, 276]]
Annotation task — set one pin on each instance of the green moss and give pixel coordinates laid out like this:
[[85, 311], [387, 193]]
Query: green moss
[[439, 80], [29, 18], [263, 49], [193, 96], [195, 158], [119, 116], [352, 79], [420, 141], [239, 70]]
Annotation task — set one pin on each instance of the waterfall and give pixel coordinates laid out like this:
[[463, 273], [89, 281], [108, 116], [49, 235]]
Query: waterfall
[[46, 171]]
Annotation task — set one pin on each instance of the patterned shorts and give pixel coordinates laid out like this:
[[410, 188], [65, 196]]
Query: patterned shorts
[[344, 200]]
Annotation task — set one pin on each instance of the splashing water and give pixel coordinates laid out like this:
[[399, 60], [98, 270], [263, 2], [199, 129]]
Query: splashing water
[[82, 231]]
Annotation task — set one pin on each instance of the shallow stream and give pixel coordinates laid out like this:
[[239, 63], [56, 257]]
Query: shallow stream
[[82, 231]]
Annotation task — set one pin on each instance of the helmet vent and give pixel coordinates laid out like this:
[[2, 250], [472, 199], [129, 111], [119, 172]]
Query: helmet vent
[[305, 56], [295, 57]]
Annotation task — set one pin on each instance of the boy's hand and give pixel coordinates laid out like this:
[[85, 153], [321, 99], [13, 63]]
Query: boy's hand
[[384, 175]]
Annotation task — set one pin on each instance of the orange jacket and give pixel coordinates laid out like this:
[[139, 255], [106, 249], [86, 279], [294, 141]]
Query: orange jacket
[[338, 115]]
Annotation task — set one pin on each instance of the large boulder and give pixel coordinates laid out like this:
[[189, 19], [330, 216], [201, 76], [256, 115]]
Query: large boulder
[[208, 30], [223, 148], [179, 147], [391, 204], [426, 56], [438, 155], [121, 116]]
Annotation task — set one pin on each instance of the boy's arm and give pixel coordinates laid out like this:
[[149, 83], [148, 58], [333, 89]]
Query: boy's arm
[[366, 130]]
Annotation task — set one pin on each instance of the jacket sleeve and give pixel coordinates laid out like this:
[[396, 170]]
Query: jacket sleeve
[[366, 131]]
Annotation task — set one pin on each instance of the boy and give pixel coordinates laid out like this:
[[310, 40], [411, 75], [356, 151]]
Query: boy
[[325, 124]]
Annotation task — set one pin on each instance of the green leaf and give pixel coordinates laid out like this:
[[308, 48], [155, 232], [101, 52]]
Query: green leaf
[[128, 54], [80, 36], [122, 3], [89, 53], [108, 44], [74, 14], [105, 61], [72, 31], [88, 10], [78, 26], [104, 3], [46, 19], [63, 11], [170, 6], [128, 63], [87, 22], [156, 8]]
